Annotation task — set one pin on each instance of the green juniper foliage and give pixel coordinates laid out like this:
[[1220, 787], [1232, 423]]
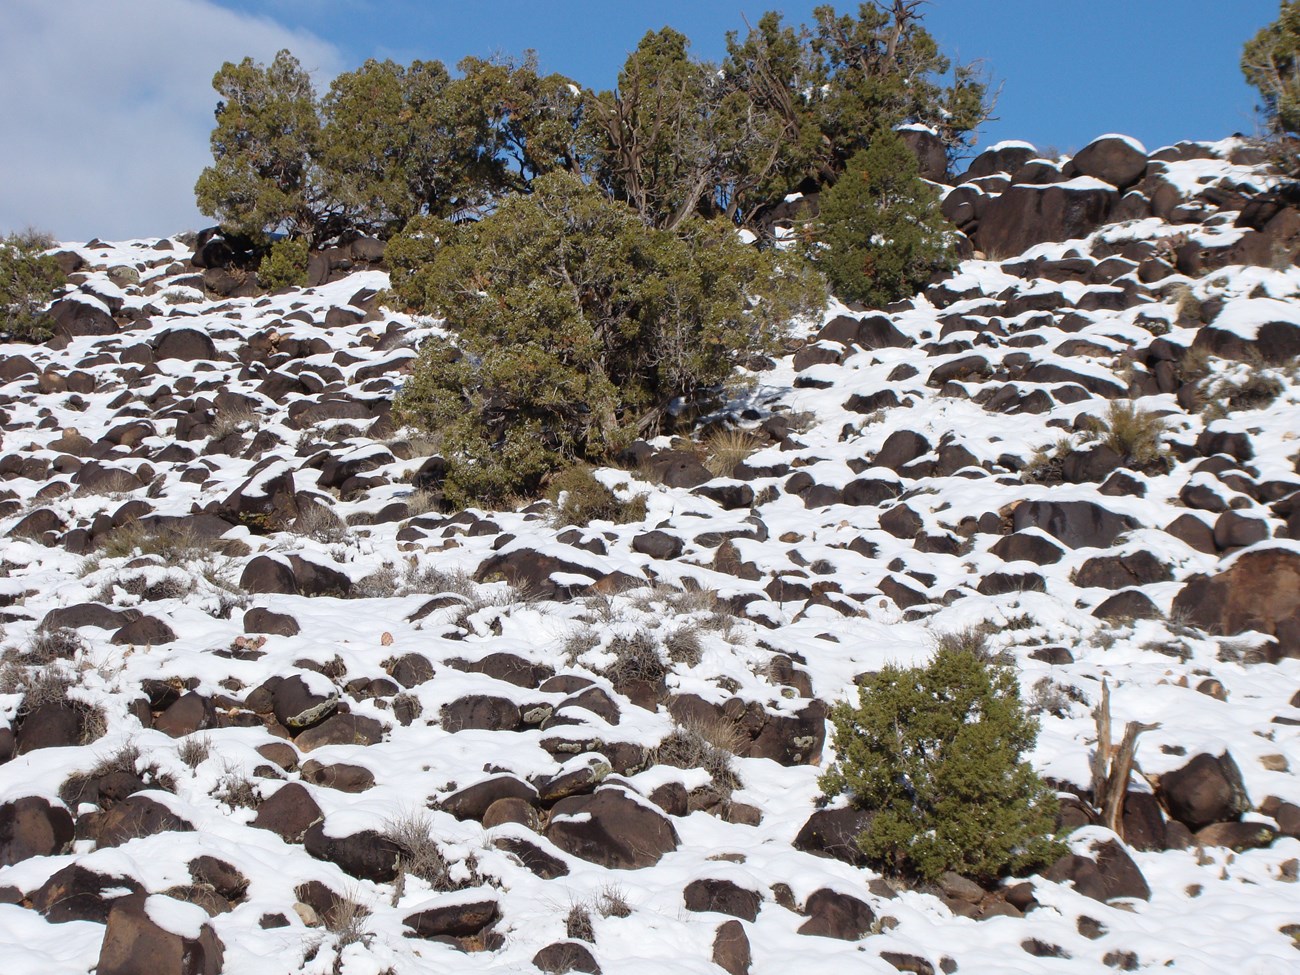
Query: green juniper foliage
[[880, 234], [677, 138], [1271, 63], [28, 279], [573, 326], [935, 752], [284, 264]]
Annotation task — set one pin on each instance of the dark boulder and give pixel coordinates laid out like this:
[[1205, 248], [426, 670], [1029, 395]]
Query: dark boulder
[[835, 915], [1208, 789], [612, 829], [1113, 159], [834, 833], [1259, 591], [77, 894], [135, 816], [722, 896], [367, 855], [1108, 873], [289, 813], [134, 943], [1079, 524], [33, 827], [1026, 215]]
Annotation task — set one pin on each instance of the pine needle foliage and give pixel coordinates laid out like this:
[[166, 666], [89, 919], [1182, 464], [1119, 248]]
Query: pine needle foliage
[[880, 235], [936, 753]]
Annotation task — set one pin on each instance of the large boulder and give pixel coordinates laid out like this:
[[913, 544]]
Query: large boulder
[[1260, 591], [136, 940], [611, 828], [1026, 215], [1114, 159], [1079, 524], [33, 827], [1206, 790], [1105, 873]]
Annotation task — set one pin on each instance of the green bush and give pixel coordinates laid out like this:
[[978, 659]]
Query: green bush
[[935, 753], [880, 235], [28, 279], [285, 264], [575, 328]]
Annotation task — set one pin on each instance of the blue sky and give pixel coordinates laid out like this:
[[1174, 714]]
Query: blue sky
[[106, 104]]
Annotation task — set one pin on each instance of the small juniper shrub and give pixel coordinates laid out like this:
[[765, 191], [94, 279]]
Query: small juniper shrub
[[936, 752], [285, 265]]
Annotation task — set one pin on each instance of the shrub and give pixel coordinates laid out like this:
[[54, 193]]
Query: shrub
[[27, 280], [935, 753], [580, 499], [575, 328], [880, 235], [284, 265]]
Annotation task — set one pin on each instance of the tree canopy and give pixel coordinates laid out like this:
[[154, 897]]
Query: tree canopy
[[676, 137]]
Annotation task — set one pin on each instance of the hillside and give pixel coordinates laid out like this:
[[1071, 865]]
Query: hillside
[[267, 709]]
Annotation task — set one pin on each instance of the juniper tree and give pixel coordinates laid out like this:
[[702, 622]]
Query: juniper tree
[[880, 235], [573, 327], [263, 176], [28, 278], [936, 753]]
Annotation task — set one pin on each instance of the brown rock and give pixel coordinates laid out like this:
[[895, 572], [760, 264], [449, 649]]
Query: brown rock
[[612, 829], [134, 945], [731, 950]]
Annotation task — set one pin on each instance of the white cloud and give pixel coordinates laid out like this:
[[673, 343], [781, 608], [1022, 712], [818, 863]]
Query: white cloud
[[106, 107]]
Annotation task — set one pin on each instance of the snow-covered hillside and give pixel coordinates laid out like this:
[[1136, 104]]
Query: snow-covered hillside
[[264, 709]]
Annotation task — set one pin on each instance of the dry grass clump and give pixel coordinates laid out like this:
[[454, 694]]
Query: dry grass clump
[[237, 791], [124, 759], [195, 750], [150, 587], [636, 657], [388, 581], [173, 546], [724, 449], [346, 920], [973, 640], [234, 417], [422, 858], [578, 926], [319, 522], [683, 645], [580, 499], [612, 902], [706, 743], [46, 683], [1131, 432], [55, 643], [1256, 391]]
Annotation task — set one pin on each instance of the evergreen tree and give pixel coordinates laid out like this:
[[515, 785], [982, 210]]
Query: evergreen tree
[[28, 278], [935, 752], [574, 325], [1271, 63], [880, 235], [263, 177]]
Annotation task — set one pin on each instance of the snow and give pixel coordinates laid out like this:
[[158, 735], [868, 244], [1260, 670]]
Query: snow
[[1211, 911]]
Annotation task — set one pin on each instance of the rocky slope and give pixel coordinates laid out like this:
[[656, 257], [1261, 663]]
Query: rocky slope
[[265, 709]]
